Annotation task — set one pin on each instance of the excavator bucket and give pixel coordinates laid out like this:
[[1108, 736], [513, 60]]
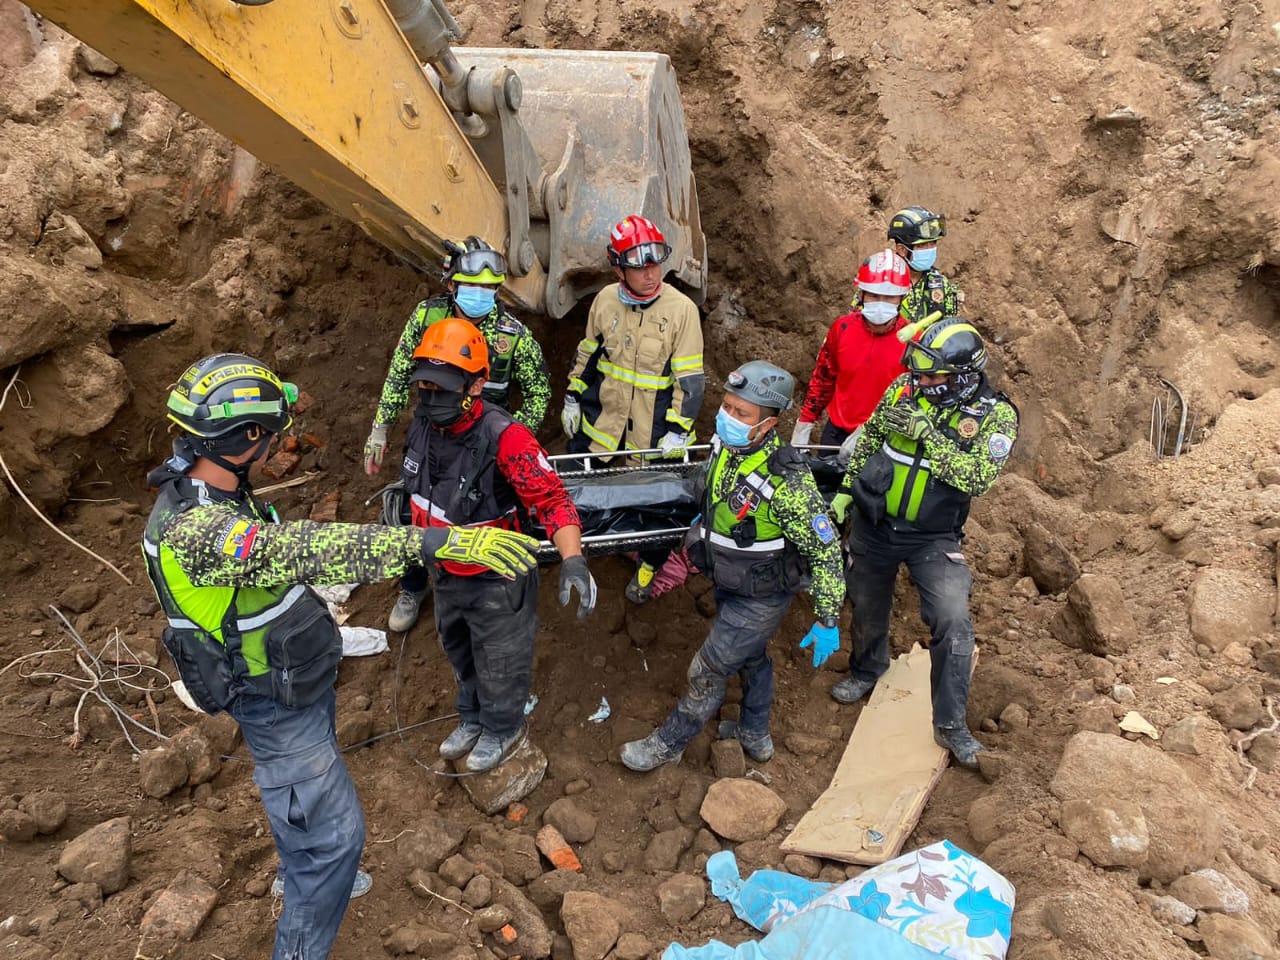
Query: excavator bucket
[[608, 130]]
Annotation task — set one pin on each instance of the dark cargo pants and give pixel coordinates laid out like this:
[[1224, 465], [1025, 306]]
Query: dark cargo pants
[[314, 813], [941, 574], [487, 627], [738, 643]]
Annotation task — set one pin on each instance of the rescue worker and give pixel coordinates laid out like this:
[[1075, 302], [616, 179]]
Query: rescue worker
[[473, 273], [939, 437], [469, 463], [763, 536], [915, 232], [637, 381], [860, 356], [249, 635]]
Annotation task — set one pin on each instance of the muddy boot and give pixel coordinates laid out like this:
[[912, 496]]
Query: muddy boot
[[851, 689], [759, 747], [963, 745], [648, 754], [362, 884], [641, 584], [405, 613], [491, 749], [459, 743]]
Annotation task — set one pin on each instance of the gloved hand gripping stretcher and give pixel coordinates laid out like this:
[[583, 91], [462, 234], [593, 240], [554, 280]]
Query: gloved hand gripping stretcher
[[627, 508]]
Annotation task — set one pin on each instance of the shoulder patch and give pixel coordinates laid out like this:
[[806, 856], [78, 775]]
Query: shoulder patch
[[999, 445], [822, 527], [238, 538]]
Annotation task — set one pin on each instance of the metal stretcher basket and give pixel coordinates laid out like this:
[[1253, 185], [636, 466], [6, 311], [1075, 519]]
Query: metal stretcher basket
[[630, 507]]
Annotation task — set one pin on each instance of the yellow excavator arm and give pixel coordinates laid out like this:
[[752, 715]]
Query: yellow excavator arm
[[334, 95]]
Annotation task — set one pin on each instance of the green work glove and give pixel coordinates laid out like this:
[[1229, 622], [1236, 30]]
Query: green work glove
[[910, 420], [840, 506], [505, 552]]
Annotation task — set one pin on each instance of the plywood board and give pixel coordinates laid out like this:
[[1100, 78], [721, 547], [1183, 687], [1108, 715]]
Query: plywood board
[[885, 777]]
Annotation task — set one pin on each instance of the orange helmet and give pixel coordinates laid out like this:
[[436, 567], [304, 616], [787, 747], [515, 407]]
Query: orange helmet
[[452, 354]]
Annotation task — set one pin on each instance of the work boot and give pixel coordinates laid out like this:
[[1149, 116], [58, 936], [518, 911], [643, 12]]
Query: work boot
[[851, 689], [405, 613], [491, 749], [759, 747], [459, 743], [964, 746], [641, 584], [362, 884], [648, 754]]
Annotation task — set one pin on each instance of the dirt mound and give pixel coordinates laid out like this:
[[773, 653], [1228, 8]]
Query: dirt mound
[[1109, 174]]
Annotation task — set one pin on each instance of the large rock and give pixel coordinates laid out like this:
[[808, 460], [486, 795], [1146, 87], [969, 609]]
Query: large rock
[[199, 753], [47, 809], [1227, 605], [179, 910], [1264, 754], [161, 771], [575, 824], [592, 923], [1238, 708], [1111, 833], [512, 780], [548, 890], [17, 826], [681, 897], [1191, 735], [1210, 890], [1096, 617], [742, 809], [100, 855], [992, 815], [1049, 562], [429, 843], [54, 309], [533, 939], [1184, 829], [664, 849], [1229, 938], [419, 940]]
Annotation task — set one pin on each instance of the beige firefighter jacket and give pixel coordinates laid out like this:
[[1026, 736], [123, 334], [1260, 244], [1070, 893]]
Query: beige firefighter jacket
[[638, 371]]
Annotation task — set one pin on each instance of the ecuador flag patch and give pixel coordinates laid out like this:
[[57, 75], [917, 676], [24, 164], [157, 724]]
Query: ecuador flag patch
[[238, 540]]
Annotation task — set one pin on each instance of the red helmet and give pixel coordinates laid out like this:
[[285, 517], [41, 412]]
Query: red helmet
[[637, 242], [884, 273]]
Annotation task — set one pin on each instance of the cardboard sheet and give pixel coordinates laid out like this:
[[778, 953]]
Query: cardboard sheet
[[885, 777]]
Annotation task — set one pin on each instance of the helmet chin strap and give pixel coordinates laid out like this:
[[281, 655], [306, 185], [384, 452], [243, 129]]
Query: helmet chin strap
[[208, 450]]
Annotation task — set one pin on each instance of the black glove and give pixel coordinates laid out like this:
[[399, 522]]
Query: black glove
[[575, 575]]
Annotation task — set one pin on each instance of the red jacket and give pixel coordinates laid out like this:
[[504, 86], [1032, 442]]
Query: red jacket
[[854, 368]]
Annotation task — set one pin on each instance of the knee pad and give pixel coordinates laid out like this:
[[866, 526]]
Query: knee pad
[[704, 680]]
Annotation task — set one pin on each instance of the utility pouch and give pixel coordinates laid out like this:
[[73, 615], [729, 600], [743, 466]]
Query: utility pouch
[[303, 649], [695, 544], [873, 482], [204, 667]]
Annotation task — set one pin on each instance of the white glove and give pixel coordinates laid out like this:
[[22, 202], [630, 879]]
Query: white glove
[[801, 434], [571, 417], [846, 448], [374, 448], [673, 444]]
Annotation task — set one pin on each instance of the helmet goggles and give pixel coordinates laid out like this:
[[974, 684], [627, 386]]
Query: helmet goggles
[[242, 408], [643, 255], [931, 229], [478, 266]]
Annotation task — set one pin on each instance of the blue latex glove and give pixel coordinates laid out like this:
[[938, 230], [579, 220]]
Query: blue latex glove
[[824, 640]]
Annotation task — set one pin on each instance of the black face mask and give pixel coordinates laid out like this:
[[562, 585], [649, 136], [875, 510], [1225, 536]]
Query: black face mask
[[441, 407]]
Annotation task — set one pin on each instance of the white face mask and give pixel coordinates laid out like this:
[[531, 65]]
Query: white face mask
[[879, 312]]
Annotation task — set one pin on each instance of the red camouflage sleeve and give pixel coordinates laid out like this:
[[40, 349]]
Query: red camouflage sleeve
[[526, 467], [822, 385]]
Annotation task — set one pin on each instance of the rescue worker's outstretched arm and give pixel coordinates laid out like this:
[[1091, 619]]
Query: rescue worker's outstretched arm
[[395, 390], [217, 547], [802, 514], [529, 370], [974, 472]]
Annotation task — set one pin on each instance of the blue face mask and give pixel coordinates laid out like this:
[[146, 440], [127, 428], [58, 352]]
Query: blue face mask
[[731, 430], [475, 302], [922, 260]]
